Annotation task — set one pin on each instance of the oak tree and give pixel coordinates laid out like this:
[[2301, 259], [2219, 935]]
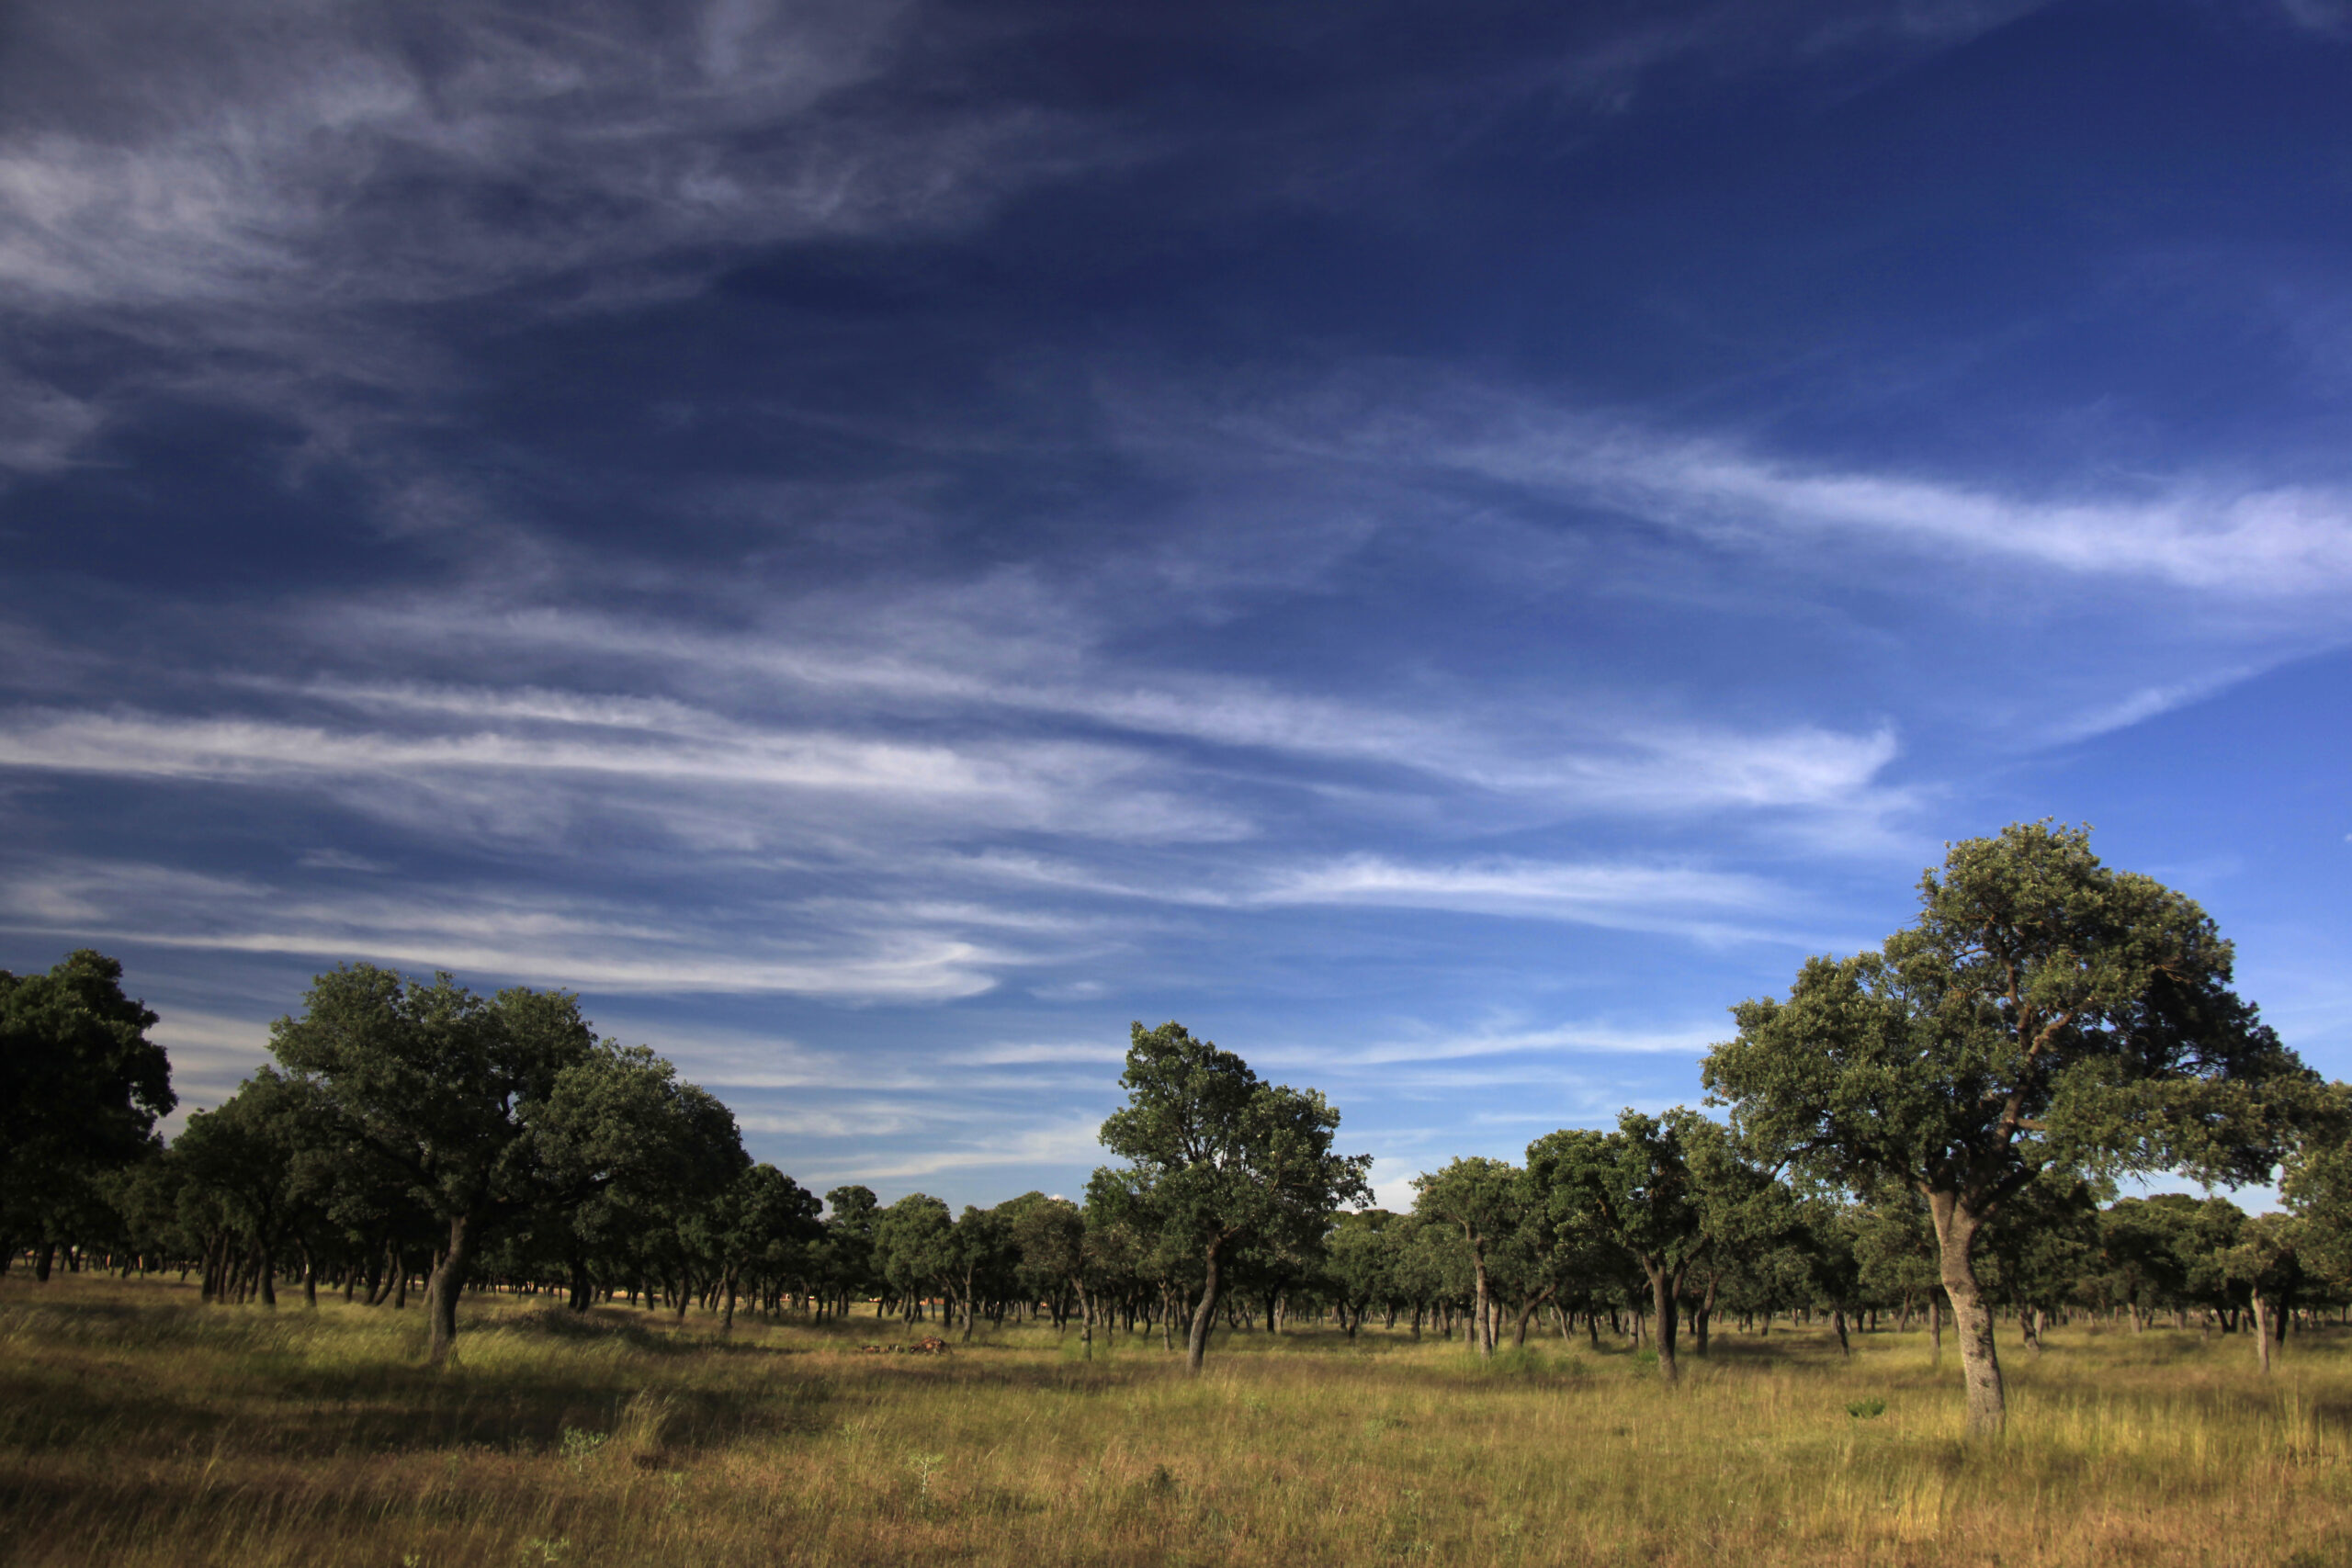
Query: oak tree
[[81, 1087], [1634, 1186], [1220, 1162], [2043, 1013]]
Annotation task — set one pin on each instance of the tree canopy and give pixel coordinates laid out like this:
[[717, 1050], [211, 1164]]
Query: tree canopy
[[81, 1085]]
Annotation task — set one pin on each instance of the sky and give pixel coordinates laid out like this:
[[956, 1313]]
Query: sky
[[1440, 546]]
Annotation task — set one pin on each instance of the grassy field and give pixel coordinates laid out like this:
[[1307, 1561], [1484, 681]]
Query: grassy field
[[137, 1427]]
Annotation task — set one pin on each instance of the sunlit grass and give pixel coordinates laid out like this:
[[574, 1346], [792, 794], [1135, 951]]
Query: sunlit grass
[[139, 1428]]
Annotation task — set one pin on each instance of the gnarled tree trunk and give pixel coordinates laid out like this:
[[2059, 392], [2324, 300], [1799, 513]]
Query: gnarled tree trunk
[[1662, 1294], [1197, 1347], [1980, 1362]]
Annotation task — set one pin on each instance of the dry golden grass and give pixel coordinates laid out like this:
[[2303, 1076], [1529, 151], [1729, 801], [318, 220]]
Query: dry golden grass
[[137, 1427]]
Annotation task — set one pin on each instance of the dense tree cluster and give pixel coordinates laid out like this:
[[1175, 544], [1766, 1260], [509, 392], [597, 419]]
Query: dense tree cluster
[[1942, 1122]]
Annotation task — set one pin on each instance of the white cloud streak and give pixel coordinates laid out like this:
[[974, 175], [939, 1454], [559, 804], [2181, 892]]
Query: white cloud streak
[[1073, 786], [1580, 1038], [574, 943], [1074, 1143], [2279, 541], [1628, 897]]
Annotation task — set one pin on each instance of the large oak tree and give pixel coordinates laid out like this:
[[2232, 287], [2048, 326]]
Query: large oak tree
[[2044, 1014]]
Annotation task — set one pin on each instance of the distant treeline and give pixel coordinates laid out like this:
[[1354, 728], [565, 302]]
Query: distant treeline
[[1939, 1123]]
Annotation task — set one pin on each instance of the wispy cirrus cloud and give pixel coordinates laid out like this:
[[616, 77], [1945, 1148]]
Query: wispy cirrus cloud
[[2206, 532], [575, 942], [1602, 894], [1064, 1142], [251, 210], [1558, 1041], [1575, 757], [628, 763], [335, 160], [2290, 542]]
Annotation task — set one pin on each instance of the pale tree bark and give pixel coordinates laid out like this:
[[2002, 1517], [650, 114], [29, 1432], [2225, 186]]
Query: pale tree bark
[[1484, 1341], [2262, 1313], [1980, 1362], [1662, 1292], [1196, 1347]]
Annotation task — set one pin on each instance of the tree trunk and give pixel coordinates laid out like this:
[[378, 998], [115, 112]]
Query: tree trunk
[[2262, 1314], [1980, 1361], [1662, 1293], [1478, 1336], [310, 1278], [265, 1274], [441, 1291], [1699, 1317], [1527, 1314], [1197, 1348]]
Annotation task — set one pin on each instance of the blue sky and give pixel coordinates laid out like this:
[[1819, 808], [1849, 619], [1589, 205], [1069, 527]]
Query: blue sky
[[1440, 546]]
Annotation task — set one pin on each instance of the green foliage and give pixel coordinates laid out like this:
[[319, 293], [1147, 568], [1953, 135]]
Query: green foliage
[[914, 1247], [81, 1087], [579, 1446], [497, 1110], [1220, 1164], [2044, 1019], [1632, 1186], [2044, 1011]]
